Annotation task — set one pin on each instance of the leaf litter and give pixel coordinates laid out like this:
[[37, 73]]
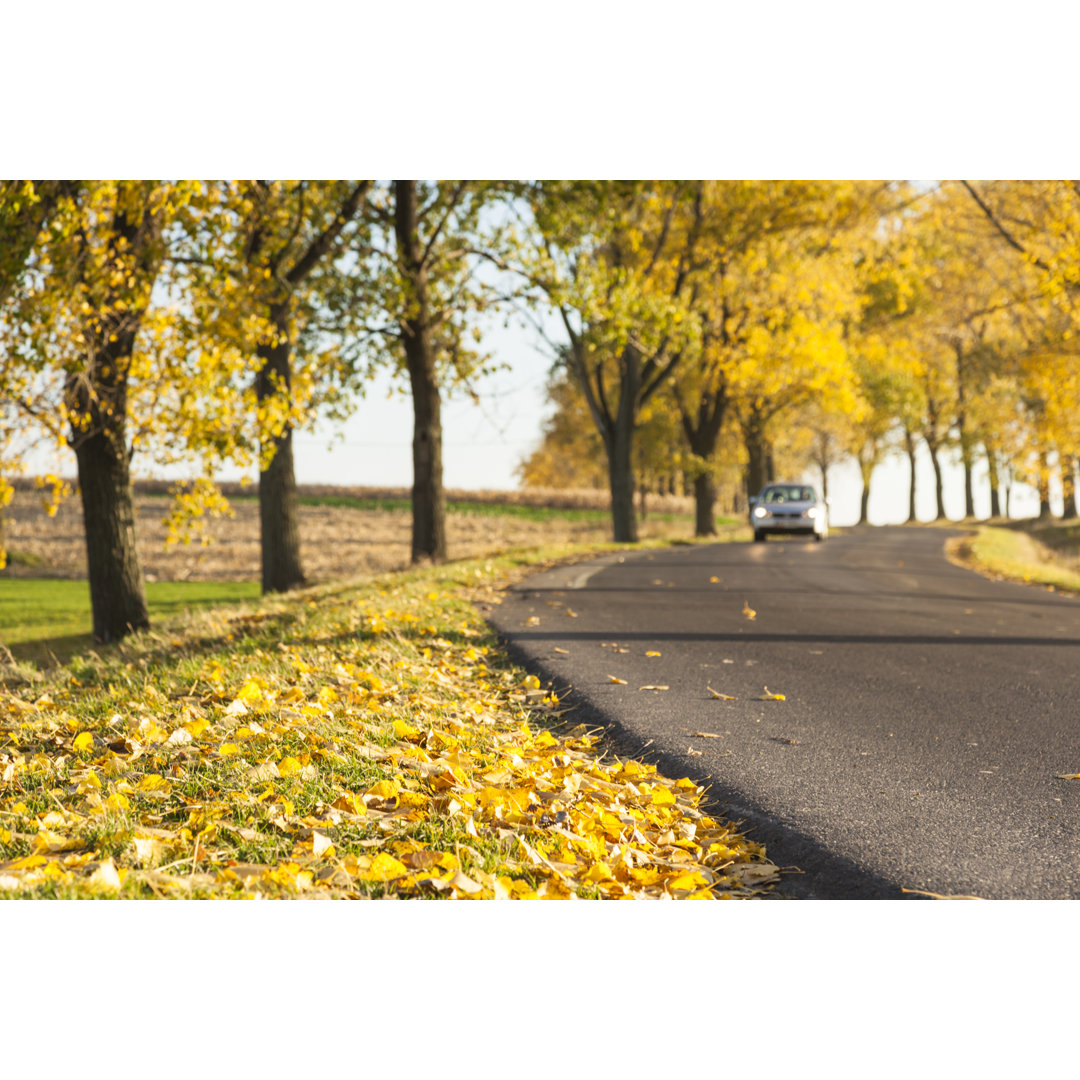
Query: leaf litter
[[350, 741]]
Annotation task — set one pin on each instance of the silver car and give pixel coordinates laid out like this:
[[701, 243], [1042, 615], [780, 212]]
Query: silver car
[[788, 508]]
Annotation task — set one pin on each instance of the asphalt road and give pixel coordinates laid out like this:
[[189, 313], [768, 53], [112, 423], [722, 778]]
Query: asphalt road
[[928, 711]]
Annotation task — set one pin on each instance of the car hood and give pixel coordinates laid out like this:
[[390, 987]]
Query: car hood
[[800, 505]]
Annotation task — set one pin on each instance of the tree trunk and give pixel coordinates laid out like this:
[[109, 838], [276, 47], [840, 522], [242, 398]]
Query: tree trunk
[[1044, 488], [992, 469], [864, 499], [704, 505], [1068, 486], [428, 500], [702, 434], [758, 455], [621, 480], [909, 441], [117, 589], [279, 506], [969, 494], [939, 490]]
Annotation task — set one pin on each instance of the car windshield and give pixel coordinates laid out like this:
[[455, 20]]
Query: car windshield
[[787, 493]]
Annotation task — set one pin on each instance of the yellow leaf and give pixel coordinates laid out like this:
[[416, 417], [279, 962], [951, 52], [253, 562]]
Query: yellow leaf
[[288, 765], [662, 796], [227, 748], [598, 872], [385, 789], [28, 862], [384, 867], [721, 697], [690, 879], [250, 693], [105, 878], [321, 846], [48, 841], [405, 731], [767, 696], [1069, 776], [531, 682], [83, 741], [714, 580], [615, 679], [652, 652], [153, 782], [196, 727], [748, 611], [654, 687]]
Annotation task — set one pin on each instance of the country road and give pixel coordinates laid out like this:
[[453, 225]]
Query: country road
[[927, 711]]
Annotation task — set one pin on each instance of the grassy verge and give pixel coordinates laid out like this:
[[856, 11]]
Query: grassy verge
[[481, 509], [43, 617], [1019, 552], [353, 740]]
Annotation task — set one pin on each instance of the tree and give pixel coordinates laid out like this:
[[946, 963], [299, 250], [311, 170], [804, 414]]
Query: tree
[[613, 261], [422, 294], [259, 275]]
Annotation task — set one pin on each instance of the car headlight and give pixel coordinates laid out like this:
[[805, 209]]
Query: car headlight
[[812, 512], [760, 511]]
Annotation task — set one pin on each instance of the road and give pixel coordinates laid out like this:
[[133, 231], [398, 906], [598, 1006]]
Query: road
[[927, 710]]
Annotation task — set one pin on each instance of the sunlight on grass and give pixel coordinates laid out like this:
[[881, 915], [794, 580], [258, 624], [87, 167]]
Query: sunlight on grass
[[1018, 556], [45, 609]]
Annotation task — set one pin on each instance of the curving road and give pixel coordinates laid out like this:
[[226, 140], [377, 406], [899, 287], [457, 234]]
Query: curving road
[[927, 711]]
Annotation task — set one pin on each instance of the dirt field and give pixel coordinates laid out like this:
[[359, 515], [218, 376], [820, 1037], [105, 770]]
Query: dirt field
[[337, 542]]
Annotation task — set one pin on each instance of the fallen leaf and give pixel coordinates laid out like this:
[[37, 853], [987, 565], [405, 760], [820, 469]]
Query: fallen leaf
[[614, 679], [654, 687], [321, 845], [718, 695], [748, 611], [565, 652], [707, 735], [652, 652], [83, 741], [1068, 776], [691, 752], [715, 580], [465, 884], [769, 696], [753, 873]]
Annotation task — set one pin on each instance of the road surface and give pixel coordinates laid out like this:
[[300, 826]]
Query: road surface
[[927, 711]]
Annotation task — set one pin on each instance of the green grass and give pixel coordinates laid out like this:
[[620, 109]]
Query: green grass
[[478, 509], [43, 615], [1017, 554]]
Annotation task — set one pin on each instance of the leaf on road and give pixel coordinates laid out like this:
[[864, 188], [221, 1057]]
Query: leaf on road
[[748, 611], [615, 679], [715, 580], [707, 735], [651, 687], [721, 697], [565, 652], [652, 652], [769, 696], [1068, 776]]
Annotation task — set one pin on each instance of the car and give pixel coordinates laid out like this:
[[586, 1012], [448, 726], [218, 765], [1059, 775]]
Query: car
[[788, 508]]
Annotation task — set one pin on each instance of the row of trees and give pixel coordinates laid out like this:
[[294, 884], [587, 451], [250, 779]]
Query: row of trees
[[205, 322], [832, 322]]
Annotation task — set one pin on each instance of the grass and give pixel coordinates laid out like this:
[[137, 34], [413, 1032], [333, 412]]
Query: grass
[[1030, 552], [352, 740], [43, 615], [480, 509]]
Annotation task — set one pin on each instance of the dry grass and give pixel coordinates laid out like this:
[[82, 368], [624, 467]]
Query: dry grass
[[336, 542]]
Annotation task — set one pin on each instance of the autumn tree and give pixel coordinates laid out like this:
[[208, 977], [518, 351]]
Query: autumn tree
[[612, 260], [76, 329], [258, 277]]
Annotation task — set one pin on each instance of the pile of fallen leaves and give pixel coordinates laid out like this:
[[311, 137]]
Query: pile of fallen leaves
[[366, 740]]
